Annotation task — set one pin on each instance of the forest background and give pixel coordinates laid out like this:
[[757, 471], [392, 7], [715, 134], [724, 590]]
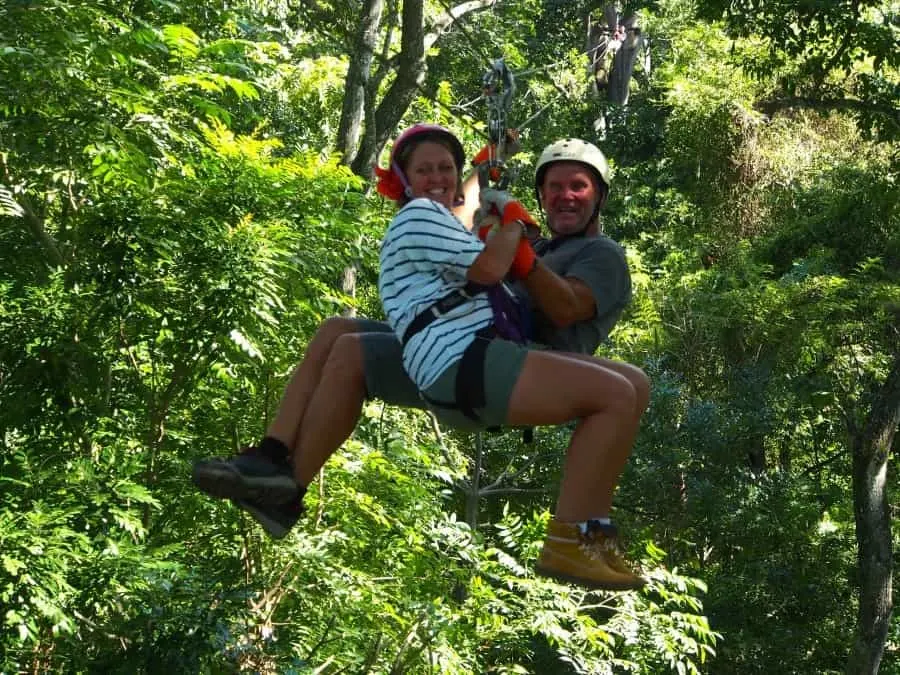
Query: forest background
[[184, 197]]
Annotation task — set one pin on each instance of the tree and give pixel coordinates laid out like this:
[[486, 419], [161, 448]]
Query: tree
[[361, 108], [838, 55], [871, 447]]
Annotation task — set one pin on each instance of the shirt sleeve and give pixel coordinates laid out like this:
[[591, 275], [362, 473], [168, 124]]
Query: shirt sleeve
[[603, 268], [427, 235]]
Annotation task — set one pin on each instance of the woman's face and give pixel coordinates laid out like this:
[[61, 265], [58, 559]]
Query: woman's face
[[432, 173]]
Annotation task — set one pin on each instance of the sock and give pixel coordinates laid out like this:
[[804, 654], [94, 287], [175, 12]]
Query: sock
[[274, 450], [585, 524]]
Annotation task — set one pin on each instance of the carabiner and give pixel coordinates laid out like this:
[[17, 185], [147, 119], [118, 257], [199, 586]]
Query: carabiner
[[499, 86]]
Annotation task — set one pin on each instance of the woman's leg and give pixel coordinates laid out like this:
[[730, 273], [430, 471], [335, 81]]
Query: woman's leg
[[260, 478], [332, 408], [557, 388], [306, 378]]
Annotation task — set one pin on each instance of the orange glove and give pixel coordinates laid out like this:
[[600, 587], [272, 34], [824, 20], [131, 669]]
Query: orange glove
[[484, 155], [490, 150], [524, 261]]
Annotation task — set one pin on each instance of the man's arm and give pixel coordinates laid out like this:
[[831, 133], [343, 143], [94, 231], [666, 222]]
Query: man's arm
[[597, 281], [563, 300]]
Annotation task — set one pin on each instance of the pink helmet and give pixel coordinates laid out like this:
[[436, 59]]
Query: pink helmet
[[392, 182]]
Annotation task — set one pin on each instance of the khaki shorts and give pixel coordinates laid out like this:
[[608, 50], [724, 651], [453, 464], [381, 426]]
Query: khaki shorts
[[503, 363]]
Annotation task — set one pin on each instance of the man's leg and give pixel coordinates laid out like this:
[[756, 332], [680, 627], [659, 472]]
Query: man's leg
[[582, 543], [557, 388], [613, 462]]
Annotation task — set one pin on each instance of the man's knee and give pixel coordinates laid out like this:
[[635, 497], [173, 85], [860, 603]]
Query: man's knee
[[641, 384], [622, 395]]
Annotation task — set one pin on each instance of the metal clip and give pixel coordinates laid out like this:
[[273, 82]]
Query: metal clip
[[499, 86]]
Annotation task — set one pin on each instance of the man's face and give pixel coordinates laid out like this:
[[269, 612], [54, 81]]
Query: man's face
[[569, 195]]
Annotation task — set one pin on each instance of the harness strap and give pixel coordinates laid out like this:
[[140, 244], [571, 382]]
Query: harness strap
[[470, 393], [446, 304]]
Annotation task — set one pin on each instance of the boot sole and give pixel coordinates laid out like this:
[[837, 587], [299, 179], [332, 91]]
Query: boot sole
[[590, 583], [220, 479], [273, 528]]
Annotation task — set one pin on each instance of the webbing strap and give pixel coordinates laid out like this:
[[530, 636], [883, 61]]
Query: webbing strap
[[447, 303], [469, 390]]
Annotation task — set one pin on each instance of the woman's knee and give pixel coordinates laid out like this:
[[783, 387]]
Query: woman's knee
[[326, 335], [333, 327], [345, 361]]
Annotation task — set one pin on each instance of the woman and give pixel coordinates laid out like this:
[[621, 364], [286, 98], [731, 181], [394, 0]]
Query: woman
[[431, 270]]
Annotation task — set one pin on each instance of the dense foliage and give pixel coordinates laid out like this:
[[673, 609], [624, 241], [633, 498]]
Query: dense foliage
[[174, 224]]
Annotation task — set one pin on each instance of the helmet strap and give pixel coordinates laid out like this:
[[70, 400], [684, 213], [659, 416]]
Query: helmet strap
[[407, 189]]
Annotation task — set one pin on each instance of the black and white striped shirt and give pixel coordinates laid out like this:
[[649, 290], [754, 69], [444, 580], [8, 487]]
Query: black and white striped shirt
[[425, 255]]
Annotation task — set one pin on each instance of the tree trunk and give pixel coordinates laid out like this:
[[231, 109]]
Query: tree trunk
[[348, 282], [410, 73], [873, 526], [623, 63], [473, 495], [354, 104]]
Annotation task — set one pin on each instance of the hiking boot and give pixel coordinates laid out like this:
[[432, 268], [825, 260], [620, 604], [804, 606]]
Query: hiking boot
[[275, 519], [249, 477], [606, 536], [590, 559]]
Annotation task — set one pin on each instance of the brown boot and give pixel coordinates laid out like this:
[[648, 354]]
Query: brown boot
[[590, 559]]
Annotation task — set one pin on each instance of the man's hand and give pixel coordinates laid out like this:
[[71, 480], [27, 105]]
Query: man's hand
[[511, 146], [500, 203]]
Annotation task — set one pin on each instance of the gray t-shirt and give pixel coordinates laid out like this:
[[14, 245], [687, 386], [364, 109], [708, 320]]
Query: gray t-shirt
[[598, 262]]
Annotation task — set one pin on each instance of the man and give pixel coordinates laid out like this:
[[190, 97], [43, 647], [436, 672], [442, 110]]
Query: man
[[577, 293]]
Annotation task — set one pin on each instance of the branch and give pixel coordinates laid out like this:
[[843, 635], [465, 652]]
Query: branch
[[825, 462], [513, 491], [884, 419], [505, 475], [436, 428], [34, 222], [450, 16]]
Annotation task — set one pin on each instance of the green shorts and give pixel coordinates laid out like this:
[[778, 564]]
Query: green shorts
[[503, 364], [386, 378]]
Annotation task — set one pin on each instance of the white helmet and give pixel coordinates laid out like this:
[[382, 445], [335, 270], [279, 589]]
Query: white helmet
[[572, 150]]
